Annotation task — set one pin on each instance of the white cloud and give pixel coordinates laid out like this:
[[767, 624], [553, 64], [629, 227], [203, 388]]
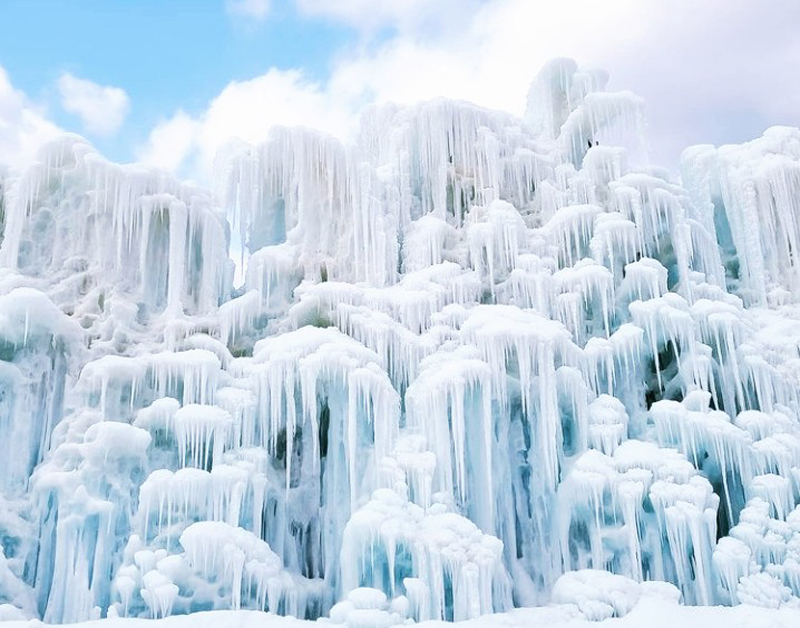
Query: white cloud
[[403, 15], [23, 125], [709, 72], [714, 71], [255, 9], [102, 109], [170, 142], [246, 110]]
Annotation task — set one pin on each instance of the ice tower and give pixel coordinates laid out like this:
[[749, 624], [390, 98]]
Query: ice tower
[[472, 358]]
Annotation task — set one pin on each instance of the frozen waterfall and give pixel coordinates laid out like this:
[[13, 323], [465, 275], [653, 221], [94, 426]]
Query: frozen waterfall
[[474, 361]]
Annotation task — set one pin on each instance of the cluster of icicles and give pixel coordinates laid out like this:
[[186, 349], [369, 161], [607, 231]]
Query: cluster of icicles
[[471, 354]]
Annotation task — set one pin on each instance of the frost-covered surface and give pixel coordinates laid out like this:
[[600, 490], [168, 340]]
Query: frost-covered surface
[[476, 363], [652, 610]]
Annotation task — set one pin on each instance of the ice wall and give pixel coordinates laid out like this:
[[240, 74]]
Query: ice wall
[[471, 353]]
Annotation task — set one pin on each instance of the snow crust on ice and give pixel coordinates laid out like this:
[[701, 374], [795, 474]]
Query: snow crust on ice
[[479, 369], [367, 607]]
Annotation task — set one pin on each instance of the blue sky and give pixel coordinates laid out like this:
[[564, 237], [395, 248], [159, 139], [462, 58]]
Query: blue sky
[[169, 82], [165, 55]]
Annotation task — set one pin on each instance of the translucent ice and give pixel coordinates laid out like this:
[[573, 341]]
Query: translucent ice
[[474, 362]]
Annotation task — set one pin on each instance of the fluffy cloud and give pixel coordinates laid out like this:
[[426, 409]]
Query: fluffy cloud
[[254, 9], [102, 109], [402, 15], [171, 142], [716, 71], [246, 110], [23, 125]]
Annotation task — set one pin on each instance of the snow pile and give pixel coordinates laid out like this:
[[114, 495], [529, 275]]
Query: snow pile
[[476, 363], [600, 595]]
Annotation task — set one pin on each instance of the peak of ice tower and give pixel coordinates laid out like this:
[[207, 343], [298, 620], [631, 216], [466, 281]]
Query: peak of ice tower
[[558, 90], [471, 354]]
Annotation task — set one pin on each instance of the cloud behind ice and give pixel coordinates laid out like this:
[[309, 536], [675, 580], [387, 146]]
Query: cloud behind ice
[[711, 72], [23, 125], [101, 109]]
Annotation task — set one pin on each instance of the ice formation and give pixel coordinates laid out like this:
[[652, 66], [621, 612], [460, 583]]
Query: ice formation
[[476, 362]]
